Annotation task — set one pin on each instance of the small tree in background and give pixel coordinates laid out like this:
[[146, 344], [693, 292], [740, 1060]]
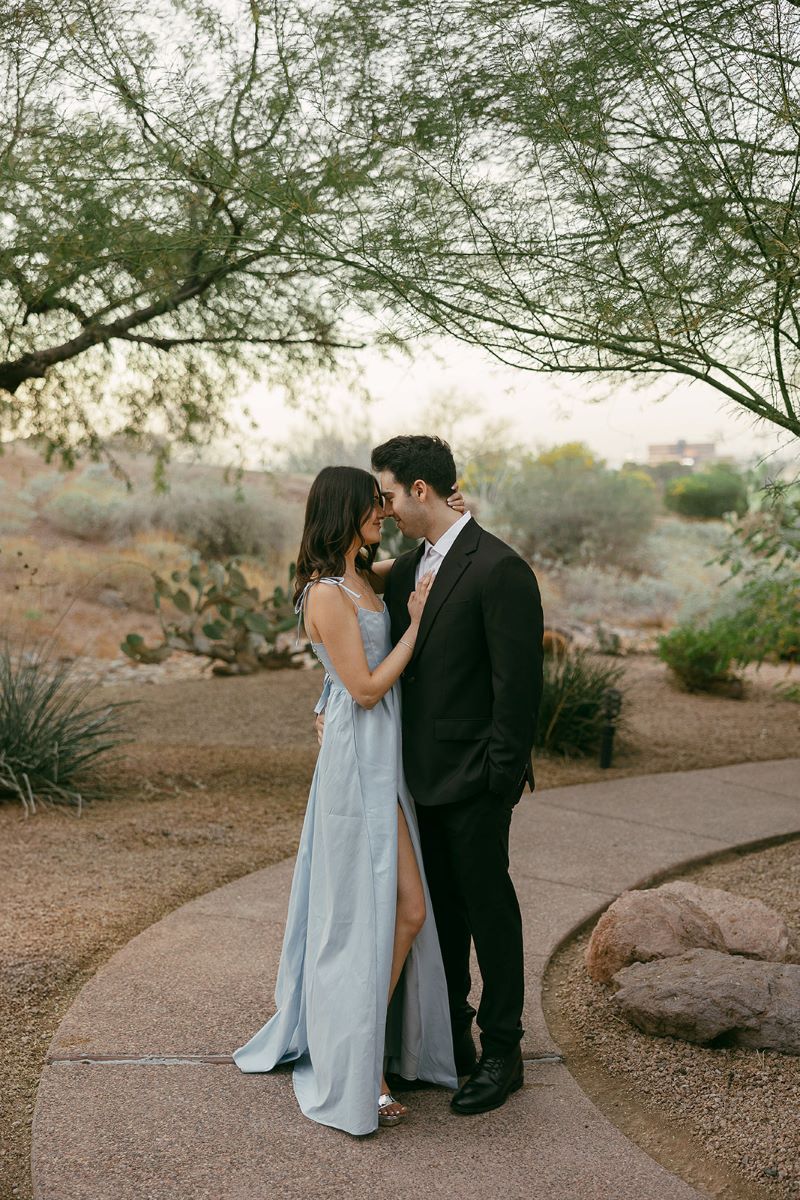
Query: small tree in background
[[570, 508], [708, 494], [763, 548]]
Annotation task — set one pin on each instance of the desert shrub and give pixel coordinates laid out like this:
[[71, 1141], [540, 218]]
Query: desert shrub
[[14, 516], [765, 614], [664, 473], [682, 554], [762, 555], [82, 514], [327, 444], [38, 487], [571, 714], [575, 454], [49, 738], [592, 593], [707, 494], [607, 641], [159, 547], [99, 470], [702, 658], [569, 511], [214, 521]]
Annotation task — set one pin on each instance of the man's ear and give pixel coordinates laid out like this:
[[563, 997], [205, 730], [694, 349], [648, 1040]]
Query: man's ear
[[419, 489]]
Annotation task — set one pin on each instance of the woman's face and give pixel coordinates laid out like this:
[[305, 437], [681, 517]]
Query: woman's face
[[371, 528]]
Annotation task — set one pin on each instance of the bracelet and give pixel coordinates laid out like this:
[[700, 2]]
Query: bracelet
[[402, 643]]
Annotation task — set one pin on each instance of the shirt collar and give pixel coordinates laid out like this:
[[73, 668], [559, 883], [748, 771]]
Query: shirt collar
[[448, 537]]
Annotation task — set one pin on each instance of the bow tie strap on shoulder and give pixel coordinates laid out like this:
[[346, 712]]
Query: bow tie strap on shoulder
[[298, 608], [336, 580]]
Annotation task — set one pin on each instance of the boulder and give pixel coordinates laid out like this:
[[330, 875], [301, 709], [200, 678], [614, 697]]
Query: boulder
[[644, 925], [706, 994], [749, 927]]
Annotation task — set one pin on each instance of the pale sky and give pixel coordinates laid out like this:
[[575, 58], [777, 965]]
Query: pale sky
[[543, 410]]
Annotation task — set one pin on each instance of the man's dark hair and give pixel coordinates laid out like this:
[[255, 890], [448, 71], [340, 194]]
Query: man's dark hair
[[416, 456]]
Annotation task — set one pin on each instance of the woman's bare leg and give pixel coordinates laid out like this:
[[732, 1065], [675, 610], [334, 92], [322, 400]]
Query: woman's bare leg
[[410, 912], [410, 900]]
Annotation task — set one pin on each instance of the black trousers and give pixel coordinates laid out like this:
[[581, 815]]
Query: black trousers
[[465, 854]]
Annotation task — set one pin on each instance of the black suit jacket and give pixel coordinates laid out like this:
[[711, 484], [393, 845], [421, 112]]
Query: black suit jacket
[[472, 689]]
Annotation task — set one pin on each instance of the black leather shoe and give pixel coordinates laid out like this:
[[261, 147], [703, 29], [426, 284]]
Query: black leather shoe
[[490, 1084], [464, 1051]]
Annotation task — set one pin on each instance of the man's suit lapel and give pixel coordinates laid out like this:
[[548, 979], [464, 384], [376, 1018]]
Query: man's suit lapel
[[456, 562]]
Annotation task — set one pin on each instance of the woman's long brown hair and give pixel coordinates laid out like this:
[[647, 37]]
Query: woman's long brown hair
[[340, 501]]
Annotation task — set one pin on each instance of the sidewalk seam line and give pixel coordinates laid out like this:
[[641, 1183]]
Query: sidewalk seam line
[[591, 812]]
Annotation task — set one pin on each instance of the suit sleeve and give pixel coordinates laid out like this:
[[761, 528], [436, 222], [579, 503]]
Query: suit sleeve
[[514, 627]]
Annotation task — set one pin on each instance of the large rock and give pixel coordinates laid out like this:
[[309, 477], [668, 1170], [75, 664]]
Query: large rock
[[749, 927], [703, 994], [644, 925]]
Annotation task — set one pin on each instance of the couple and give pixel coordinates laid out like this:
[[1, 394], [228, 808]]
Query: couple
[[403, 856]]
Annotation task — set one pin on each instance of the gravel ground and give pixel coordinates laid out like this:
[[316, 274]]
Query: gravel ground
[[715, 1116], [214, 787]]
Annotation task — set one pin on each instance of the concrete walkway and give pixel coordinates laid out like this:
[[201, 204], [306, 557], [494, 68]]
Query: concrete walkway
[[140, 1100]]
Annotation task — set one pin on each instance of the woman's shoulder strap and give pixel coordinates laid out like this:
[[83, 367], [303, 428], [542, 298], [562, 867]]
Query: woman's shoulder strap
[[337, 581]]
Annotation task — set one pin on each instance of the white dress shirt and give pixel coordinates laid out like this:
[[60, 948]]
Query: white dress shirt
[[434, 555]]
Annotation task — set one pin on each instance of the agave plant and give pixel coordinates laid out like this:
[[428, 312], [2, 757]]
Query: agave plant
[[219, 617], [49, 738], [572, 713]]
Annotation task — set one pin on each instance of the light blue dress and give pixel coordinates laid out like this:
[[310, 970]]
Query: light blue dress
[[335, 967]]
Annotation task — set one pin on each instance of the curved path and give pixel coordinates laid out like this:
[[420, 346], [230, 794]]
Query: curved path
[[140, 1100]]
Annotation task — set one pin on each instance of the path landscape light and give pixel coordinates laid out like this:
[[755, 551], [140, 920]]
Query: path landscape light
[[612, 705]]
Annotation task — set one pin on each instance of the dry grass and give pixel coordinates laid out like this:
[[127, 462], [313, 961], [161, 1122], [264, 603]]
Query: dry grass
[[87, 597]]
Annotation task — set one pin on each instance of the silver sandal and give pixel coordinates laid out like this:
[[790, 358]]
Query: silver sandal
[[384, 1101]]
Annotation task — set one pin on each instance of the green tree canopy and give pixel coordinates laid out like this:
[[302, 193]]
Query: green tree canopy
[[157, 169], [189, 192], [603, 187]]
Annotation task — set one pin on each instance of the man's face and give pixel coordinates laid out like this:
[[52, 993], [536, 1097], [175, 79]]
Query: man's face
[[408, 510]]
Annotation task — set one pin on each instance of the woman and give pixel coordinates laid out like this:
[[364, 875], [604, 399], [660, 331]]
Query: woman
[[361, 987]]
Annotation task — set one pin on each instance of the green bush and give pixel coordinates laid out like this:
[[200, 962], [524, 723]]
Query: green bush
[[570, 510], [708, 494], [571, 717], [701, 658], [48, 737], [766, 617]]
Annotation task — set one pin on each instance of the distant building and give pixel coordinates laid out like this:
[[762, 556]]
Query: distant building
[[690, 454]]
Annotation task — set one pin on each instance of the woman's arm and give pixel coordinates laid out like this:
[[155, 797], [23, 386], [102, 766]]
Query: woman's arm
[[336, 624]]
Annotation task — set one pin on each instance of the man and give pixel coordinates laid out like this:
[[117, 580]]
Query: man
[[471, 695]]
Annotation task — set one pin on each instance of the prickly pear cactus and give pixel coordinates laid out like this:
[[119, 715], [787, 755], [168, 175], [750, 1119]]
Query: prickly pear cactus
[[219, 617]]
